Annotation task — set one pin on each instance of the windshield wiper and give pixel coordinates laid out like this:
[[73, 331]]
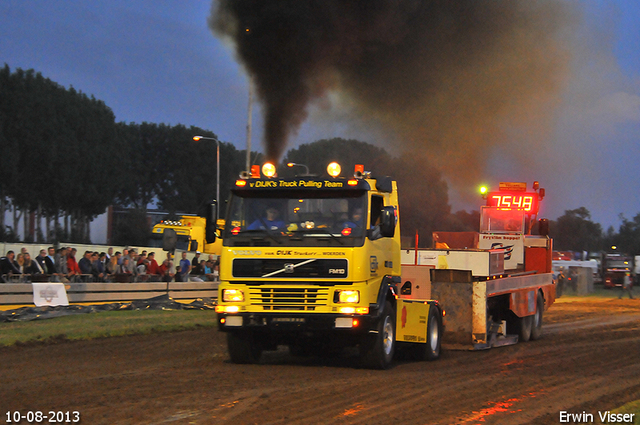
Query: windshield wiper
[[327, 232]]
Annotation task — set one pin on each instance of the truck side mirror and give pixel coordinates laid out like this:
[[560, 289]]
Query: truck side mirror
[[169, 240], [211, 225], [388, 222], [194, 246]]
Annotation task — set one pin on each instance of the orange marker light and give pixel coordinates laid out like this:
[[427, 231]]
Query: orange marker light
[[255, 171], [241, 183], [352, 182], [346, 231]]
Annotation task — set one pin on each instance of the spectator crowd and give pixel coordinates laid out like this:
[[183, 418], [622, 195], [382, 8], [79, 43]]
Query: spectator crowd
[[62, 265]]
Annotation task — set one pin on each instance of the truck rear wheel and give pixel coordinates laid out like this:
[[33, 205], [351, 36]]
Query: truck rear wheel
[[376, 351], [243, 348], [536, 328], [520, 326], [431, 350]]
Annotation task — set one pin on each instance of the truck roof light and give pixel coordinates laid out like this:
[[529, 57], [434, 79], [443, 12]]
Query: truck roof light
[[334, 169], [255, 171], [269, 170], [359, 169]]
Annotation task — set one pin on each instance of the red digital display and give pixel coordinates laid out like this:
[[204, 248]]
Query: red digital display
[[527, 202]]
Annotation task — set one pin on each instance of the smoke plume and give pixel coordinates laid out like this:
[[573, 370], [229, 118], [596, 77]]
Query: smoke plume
[[443, 76]]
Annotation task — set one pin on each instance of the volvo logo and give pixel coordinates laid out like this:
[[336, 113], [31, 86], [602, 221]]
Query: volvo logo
[[336, 271]]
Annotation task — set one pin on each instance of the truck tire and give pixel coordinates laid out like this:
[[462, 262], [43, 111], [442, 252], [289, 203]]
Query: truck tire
[[243, 348], [526, 323], [376, 351], [431, 350], [520, 326], [536, 328]]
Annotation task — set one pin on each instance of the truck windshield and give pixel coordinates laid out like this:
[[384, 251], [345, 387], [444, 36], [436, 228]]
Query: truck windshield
[[296, 219], [156, 241]]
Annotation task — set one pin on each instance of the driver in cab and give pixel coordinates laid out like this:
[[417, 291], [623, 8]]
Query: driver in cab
[[271, 221], [356, 219]]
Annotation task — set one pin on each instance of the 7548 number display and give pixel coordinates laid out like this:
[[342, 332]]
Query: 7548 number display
[[522, 201]]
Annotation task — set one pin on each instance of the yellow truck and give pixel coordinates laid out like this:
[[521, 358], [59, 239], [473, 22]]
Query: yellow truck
[[314, 263], [191, 234]]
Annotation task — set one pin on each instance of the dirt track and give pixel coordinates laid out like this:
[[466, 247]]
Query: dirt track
[[588, 360]]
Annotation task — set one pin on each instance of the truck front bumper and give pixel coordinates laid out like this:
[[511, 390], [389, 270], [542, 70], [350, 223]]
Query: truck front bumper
[[282, 323]]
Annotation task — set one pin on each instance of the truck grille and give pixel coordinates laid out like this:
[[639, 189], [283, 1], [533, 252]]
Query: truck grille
[[296, 299], [291, 268]]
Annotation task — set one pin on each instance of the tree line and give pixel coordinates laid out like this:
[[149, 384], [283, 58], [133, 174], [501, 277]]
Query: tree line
[[575, 231], [66, 159]]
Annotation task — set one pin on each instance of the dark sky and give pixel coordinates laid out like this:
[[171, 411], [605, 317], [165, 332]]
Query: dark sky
[[158, 61]]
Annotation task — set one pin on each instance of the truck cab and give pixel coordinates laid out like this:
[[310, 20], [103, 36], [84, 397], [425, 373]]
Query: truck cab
[[311, 262], [190, 233]]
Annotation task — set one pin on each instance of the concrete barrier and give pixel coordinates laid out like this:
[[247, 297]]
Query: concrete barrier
[[21, 294]]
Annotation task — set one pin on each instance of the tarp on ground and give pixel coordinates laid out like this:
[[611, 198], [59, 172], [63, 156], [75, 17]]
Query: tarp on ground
[[162, 302]]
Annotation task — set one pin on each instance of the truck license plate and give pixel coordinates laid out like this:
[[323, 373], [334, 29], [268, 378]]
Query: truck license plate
[[288, 320]]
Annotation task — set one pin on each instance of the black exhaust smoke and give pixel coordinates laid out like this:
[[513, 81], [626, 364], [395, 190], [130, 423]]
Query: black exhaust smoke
[[441, 75]]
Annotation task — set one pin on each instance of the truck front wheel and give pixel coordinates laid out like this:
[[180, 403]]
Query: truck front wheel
[[377, 350], [243, 348]]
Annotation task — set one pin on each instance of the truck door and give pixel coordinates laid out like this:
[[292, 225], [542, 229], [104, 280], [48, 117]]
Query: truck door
[[380, 248]]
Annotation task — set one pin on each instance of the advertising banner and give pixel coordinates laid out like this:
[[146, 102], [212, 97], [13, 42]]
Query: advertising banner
[[49, 293]]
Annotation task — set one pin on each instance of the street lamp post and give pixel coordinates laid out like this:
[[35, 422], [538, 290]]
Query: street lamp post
[[293, 164], [196, 138]]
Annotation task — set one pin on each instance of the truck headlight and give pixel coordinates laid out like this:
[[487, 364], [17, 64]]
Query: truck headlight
[[232, 295], [348, 296]]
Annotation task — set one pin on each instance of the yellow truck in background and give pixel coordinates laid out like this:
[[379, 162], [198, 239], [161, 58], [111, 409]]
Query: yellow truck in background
[[314, 263], [191, 234]]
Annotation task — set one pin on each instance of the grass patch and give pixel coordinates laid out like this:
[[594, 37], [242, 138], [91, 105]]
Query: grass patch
[[633, 407], [103, 325]]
